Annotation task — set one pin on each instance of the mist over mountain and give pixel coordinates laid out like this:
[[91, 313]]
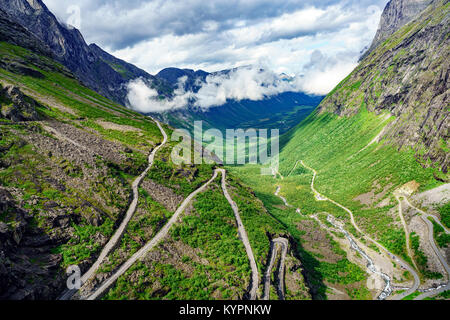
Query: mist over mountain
[[204, 90], [244, 97]]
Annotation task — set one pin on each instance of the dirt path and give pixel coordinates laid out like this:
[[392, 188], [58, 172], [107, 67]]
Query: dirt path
[[442, 259], [243, 236], [67, 295], [274, 247], [292, 170], [152, 243], [375, 140], [405, 227], [398, 260]]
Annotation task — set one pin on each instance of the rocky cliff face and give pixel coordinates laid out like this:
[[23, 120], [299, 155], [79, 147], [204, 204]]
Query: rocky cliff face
[[94, 67], [396, 14], [406, 76], [15, 33]]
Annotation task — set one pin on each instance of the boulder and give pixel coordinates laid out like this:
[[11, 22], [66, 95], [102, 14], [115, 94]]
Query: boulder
[[16, 106]]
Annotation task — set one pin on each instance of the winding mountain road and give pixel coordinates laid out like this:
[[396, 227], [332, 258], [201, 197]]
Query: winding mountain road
[[442, 259], [405, 227], [427, 215], [114, 240], [400, 261], [275, 244], [244, 238], [152, 243]]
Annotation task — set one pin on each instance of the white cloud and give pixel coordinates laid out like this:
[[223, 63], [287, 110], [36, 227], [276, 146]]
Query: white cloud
[[223, 34], [325, 73], [250, 83]]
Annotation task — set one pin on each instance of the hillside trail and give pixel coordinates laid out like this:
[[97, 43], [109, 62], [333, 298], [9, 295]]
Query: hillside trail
[[275, 245], [406, 266], [114, 240], [440, 289], [244, 238], [425, 218], [416, 284], [405, 227], [163, 233], [152, 243]]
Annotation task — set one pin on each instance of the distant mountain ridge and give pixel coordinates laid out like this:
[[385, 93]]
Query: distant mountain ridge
[[281, 111], [109, 76]]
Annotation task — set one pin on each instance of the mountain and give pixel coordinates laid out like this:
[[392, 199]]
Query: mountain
[[407, 77], [108, 75], [77, 178], [396, 14], [15, 33], [358, 209], [371, 163], [281, 111], [94, 67], [172, 76]]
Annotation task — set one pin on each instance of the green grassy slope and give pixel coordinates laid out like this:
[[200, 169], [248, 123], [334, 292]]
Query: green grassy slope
[[70, 172], [355, 140]]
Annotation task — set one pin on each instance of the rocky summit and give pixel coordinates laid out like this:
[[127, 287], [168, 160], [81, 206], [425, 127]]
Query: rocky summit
[[396, 14]]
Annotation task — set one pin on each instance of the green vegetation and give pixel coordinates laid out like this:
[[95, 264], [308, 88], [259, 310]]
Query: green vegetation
[[359, 294], [82, 246], [412, 296], [444, 211], [319, 270], [395, 241], [182, 179], [58, 88], [421, 259], [49, 180], [442, 238], [258, 223], [334, 146], [150, 217], [213, 254]]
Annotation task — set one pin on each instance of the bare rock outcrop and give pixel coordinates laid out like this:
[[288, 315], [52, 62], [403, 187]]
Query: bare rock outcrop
[[16, 106], [396, 14]]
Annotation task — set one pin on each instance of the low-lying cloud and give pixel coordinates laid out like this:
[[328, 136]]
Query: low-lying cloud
[[323, 72], [255, 83], [249, 83]]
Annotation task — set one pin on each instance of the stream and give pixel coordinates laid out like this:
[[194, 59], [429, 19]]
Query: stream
[[370, 265]]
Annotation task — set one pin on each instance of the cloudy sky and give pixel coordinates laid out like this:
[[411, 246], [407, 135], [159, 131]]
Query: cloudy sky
[[320, 39]]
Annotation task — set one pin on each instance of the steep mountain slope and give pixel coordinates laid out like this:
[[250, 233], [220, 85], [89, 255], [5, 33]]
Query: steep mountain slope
[[69, 160], [396, 14], [108, 75], [15, 33], [379, 137], [384, 126], [282, 111], [407, 76], [97, 69]]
